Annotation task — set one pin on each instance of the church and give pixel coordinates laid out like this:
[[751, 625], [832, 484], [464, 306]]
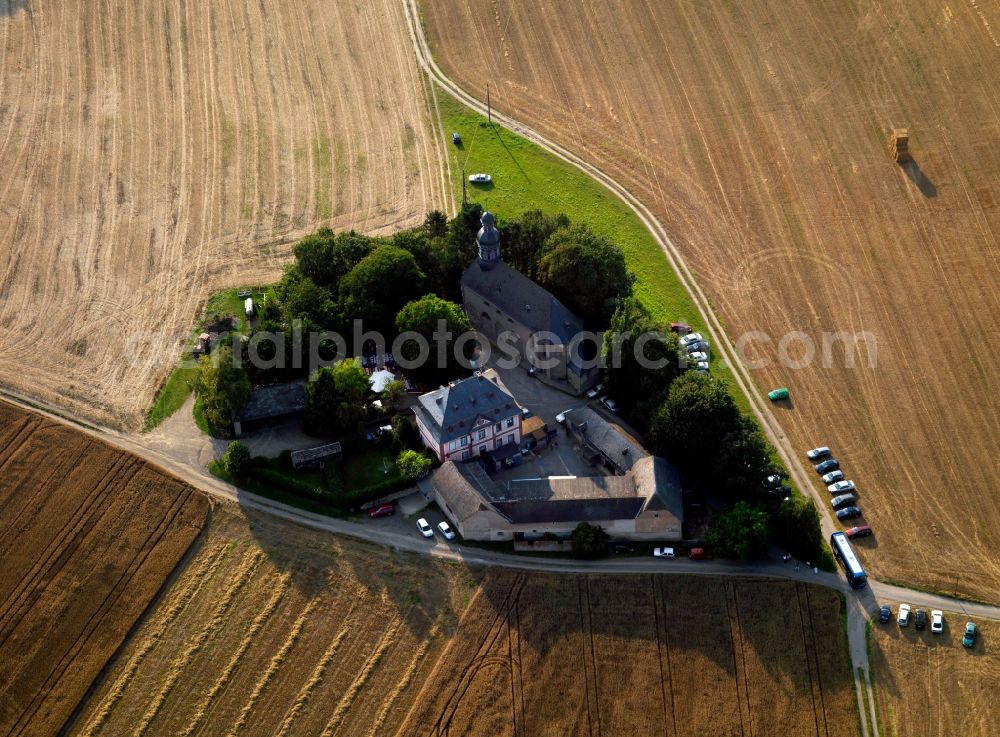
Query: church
[[499, 300]]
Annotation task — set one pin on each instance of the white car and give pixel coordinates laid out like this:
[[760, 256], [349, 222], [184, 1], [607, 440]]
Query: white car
[[480, 178], [937, 621], [561, 417], [698, 357], [840, 487], [690, 338], [701, 366], [610, 404], [445, 528], [819, 452], [425, 529], [663, 553], [595, 392], [903, 620], [833, 477]]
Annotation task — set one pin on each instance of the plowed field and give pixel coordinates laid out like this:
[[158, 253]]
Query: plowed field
[[757, 132], [88, 535], [931, 686], [152, 152]]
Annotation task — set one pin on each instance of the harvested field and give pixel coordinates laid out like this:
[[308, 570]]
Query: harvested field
[[930, 686], [155, 152], [277, 630], [88, 535], [758, 133], [674, 655]]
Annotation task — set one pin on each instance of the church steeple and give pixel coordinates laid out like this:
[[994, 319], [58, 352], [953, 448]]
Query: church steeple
[[488, 241]]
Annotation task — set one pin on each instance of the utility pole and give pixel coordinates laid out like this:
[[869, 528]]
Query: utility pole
[[489, 110]]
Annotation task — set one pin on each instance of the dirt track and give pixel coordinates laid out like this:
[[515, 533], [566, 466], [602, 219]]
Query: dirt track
[[88, 535], [152, 152], [758, 137]]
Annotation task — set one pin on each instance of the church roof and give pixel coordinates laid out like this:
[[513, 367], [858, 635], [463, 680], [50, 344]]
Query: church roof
[[522, 300]]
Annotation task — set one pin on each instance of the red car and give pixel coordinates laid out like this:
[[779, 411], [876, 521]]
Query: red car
[[680, 328], [859, 531], [699, 554], [382, 510]]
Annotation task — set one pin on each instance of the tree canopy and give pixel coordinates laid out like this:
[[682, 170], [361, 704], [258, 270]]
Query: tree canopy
[[586, 271], [740, 532], [335, 399], [325, 257], [380, 284], [589, 541], [413, 465], [222, 388], [421, 316]]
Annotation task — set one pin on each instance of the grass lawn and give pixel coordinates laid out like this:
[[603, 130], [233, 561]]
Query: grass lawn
[[525, 177]]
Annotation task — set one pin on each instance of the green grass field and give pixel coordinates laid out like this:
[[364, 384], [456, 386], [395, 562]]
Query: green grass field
[[526, 177]]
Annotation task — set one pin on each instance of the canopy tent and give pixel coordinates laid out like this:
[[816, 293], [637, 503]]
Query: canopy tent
[[380, 380]]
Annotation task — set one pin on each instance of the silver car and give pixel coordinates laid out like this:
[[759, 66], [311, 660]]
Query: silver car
[[833, 477], [698, 356], [840, 487], [690, 338], [817, 453], [839, 501]]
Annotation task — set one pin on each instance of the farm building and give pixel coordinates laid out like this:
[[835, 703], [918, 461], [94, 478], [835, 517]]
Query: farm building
[[316, 457], [603, 442], [644, 504], [499, 299], [270, 404]]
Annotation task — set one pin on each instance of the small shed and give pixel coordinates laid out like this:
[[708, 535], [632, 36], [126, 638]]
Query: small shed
[[380, 380], [316, 457], [270, 404]]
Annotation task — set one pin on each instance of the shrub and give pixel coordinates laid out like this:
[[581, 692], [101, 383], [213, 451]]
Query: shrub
[[589, 541], [237, 459], [413, 465]]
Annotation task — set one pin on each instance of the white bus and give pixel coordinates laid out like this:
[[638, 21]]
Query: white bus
[[844, 553]]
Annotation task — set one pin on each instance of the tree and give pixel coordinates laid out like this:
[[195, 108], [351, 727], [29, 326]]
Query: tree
[[222, 388], [742, 462], [237, 459], [380, 284], [589, 541], [524, 239], [690, 425], [436, 224], [796, 528], [586, 271], [639, 388], [303, 299], [739, 532], [326, 258], [422, 316], [391, 393], [335, 399], [413, 465]]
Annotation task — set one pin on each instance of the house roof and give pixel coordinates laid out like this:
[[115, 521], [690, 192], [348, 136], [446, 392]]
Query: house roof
[[605, 438], [523, 300], [308, 455], [660, 483], [571, 510], [454, 410], [274, 401], [460, 486]]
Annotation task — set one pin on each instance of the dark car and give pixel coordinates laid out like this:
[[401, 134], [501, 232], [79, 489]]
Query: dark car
[[621, 547], [859, 531], [849, 513], [773, 481], [884, 613], [382, 510], [830, 464], [920, 619]]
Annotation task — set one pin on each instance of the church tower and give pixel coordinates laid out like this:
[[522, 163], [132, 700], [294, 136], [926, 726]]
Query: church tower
[[488, 241]]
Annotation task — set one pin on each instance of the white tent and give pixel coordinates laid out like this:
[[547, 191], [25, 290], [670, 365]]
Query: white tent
[[380, 379]]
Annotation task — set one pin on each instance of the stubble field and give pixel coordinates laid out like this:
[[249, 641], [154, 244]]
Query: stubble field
[[272, 629], [88, 535], [154, 152], [757, 132], [930, 686]]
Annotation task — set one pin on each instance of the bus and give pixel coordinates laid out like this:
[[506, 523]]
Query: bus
[[843, 552]]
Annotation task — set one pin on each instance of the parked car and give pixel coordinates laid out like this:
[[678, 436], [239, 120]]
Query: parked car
[[561, 417], [920, 619], [480, 178], [621, 547], [833, 477], [778, 395], [937, 621], [425, 529], [773, 481], [382, 510], [701, 366], [699, 345], [903, 620], [663, 553], [840, 487], [839, 501], [817, 453], [445, 528], [595, 392], [698, 356], [884, 613], [859, 531], [681, 328], [610, 404], [969, 638], [690, 338], [848, 513], [456, 138], [526, 413], [830, 464], [699, 554]]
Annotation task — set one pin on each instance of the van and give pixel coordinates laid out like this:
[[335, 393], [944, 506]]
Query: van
[[248, 307]]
